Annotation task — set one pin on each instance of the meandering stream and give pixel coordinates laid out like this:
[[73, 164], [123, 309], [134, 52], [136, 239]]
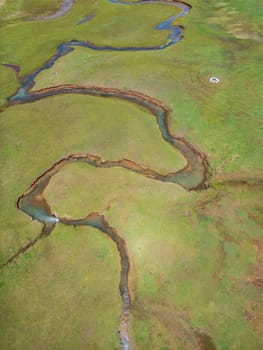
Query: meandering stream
[[194, 176]]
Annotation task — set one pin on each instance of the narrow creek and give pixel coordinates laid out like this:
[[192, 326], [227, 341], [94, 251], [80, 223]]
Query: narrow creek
[[194, 176]]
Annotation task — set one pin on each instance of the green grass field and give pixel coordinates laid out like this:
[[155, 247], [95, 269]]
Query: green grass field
[[196, 256]]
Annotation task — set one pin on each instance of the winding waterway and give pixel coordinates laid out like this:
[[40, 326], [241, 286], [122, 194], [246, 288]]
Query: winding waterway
[[194, 176]]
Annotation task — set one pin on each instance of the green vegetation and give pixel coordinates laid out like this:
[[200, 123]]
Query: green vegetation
[[229, 112], [51, 297], [238, 19], [8, 84], [17, 36], [21, 9], [196, 257], [55, 137]]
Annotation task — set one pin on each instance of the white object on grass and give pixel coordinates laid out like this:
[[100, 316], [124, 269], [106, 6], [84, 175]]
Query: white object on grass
[[214, 80]]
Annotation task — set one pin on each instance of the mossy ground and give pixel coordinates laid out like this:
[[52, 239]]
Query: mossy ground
[[196, 257]]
